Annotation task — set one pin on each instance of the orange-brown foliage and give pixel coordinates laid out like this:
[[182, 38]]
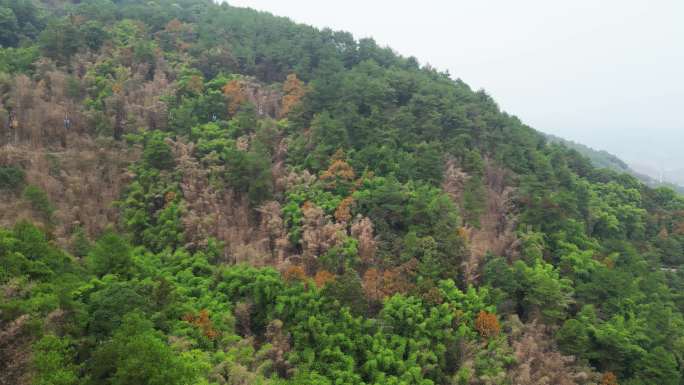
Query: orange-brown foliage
[[372, 284], [343, 211], [169, 197], [177, 33], [679, 228], [487, 324], [294, 90], [663, 234], [234, 91], [464, 232], [338, 170], [174, 25], [609, 378], [323, 277], [609, 262], [378, 285], [294, 273], [117, 88], [433, 296], [202, 322], [196, 84], [400, 279]]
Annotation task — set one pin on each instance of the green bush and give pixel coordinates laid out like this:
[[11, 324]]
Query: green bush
[[11, 178], [13, 60], [158, 154], [53, 360], [39, 200]]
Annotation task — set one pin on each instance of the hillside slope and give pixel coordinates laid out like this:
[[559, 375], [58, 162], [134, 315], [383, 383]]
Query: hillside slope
[[604, 159], [200, 194]]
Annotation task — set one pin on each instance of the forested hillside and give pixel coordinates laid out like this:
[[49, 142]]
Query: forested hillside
[[199, 194], [604, 159]]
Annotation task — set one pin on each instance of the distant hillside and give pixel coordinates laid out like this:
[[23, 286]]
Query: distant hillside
[[604, 159], [667, 172]]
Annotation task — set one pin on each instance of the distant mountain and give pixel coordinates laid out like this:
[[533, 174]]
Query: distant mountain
[[669, 175], [604, 159]]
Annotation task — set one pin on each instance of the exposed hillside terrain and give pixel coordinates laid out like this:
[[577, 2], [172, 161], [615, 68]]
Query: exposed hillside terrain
[[200, 194]]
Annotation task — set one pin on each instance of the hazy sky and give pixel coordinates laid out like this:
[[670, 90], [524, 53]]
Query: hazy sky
[[606, 73]]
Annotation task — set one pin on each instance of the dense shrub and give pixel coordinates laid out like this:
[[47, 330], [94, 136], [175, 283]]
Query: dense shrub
[[39, 200], [11, 178]]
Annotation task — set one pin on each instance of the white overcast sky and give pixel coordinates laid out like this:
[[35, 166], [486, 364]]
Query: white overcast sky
[[606, 73]]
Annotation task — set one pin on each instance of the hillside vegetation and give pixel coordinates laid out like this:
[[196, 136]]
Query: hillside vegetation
[[604, 159], [194, 193]]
